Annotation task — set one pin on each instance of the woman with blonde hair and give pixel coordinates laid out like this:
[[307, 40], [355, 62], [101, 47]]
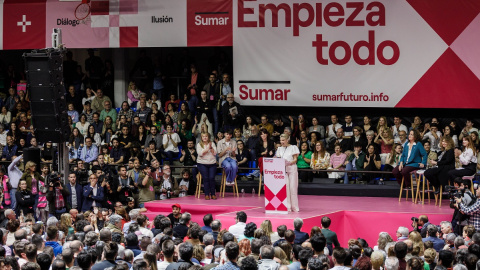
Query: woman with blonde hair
[[290, 154], [133, 94], [32, 176], [320, 159], [382, 124], [207, 165], [66, 224], [467, 158], [385, 140], [416, 238], [438, 175], [266, 226], [281, 256]]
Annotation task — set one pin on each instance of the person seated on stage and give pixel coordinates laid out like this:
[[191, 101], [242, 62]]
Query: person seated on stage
[[467, 129], [168, 183], [385, 140], [331, 130], [226, 149], [348, 127], [300, 236], [337, 162], [467, 158], [265, 124], [345, 144], [432, 155], [355, 162], [320, 159], [382, 125], [413, 157], [392, 161], [372, 163], [359, 136], [303, 162]]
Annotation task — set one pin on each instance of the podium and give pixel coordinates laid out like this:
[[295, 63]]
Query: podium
[[275, 180]]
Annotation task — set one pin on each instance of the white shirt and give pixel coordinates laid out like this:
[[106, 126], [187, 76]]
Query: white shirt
[[238, 229], [14, 173], [288, 152], [467, 157], [146, 232], [170, 147], [331, 131], [396, 137], [434, 143]]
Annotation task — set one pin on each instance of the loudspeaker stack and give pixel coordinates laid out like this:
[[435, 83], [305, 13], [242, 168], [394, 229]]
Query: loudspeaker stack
[[44, 69]]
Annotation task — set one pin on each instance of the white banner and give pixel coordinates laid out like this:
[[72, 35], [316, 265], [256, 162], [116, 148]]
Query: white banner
[[330, 53], [275, 182]]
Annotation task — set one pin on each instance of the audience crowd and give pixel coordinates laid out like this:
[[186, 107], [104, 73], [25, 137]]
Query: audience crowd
[[123, 238]]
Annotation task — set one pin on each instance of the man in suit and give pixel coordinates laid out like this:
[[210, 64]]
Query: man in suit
[[75, 198], [300, 236], [92, 194]]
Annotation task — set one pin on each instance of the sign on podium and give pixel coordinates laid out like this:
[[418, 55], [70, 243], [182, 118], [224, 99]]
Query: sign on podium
[[275, 180]]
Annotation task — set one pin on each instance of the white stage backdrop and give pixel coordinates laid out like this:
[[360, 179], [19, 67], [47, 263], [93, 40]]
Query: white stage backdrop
[[353, 53]]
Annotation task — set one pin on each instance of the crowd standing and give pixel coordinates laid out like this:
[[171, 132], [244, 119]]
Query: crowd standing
[[124, 238]]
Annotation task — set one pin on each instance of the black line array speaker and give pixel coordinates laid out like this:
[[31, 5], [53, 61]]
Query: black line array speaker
[[32, 154], [44, 70]]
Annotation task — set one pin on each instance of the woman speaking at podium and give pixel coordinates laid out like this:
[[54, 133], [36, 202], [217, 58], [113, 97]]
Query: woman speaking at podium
[[290, 154]]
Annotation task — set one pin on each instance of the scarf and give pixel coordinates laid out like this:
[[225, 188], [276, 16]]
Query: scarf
[[59, 202], [6, 192]]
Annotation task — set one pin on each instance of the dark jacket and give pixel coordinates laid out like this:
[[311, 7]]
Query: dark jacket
[[51, 198], [89, 198], [227, 118], [300, 237], [176, 265], [25, 201], [79, 192], [180, 231], [103, 265]]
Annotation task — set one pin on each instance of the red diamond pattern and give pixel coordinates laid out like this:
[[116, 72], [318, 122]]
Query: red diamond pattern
[[448, 76], [448, 18]]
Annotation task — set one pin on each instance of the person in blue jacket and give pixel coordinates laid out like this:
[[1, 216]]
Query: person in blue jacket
[[414, 157], [92, 194]]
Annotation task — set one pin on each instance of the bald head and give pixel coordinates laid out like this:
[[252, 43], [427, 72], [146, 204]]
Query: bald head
[[76, 246], [20, 234]]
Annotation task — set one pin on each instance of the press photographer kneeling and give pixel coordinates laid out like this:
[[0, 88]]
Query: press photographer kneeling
[[466, 205]]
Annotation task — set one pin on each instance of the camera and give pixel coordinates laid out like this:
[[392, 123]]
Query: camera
[[54, 179], [453, 194]]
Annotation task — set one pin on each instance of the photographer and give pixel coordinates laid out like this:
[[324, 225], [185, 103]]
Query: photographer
[[145, 187], [472, 209], [460, 190], [420, 221], [109, 190], [81, 173], [126, 187], [57, 195]]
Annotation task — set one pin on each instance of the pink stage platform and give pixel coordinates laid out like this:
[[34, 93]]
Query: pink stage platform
[[352, 217]]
